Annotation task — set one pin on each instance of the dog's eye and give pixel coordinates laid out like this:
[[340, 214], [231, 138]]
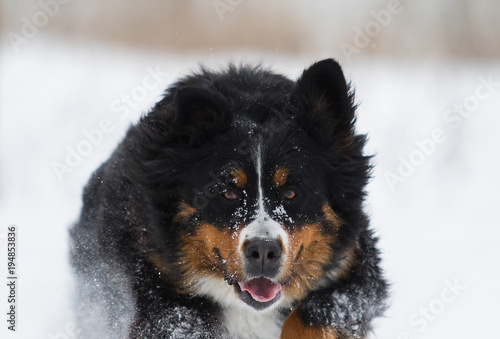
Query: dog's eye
[[230, 195], [289, 194]]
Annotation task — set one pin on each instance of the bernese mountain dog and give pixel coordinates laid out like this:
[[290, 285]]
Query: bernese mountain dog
[[233, 209]]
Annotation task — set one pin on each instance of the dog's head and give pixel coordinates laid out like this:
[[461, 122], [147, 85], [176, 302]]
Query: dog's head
[[258, 183]]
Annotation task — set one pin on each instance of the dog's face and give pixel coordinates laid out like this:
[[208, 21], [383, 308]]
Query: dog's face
[[271, 192], [262, 225]]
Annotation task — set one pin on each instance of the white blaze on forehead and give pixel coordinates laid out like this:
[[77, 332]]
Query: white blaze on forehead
[[259, 177], [263, 226]]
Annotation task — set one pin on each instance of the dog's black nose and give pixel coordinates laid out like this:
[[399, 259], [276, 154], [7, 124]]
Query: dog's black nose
[[262, 257]]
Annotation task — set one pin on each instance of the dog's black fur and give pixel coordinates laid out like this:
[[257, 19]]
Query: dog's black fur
[[127, 248]]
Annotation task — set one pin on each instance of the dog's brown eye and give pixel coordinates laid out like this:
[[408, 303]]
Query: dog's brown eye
[[230, 195], [290, 194]]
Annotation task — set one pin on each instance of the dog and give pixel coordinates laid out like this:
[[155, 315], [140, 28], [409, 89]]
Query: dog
[[233, 209]]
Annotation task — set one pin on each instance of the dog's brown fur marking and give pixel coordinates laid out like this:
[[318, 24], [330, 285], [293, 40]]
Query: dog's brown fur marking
[[155, 259], [280, 176], [295, 328], [185, 212], [211, 251], [330, 216], [309, 252], [239, 177]]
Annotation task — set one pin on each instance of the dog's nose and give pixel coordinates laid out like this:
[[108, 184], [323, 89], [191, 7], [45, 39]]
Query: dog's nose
[[263, 257]]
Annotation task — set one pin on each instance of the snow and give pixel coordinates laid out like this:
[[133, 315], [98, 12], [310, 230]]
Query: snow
[[438, 228]]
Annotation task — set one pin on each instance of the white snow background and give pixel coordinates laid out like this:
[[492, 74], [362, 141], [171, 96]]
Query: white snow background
[[438, 228]]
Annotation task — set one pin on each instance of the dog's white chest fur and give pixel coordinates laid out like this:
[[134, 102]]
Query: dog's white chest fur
[[243, 323]]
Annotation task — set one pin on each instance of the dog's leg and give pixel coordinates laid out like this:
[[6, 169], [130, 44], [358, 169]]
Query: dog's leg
[[135, 328], [176, 322], [295, 328]]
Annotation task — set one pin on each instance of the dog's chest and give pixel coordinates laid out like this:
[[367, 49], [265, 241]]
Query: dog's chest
[[245, 324]]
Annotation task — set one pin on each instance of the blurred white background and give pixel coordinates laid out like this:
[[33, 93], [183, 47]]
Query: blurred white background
[[427, 77]]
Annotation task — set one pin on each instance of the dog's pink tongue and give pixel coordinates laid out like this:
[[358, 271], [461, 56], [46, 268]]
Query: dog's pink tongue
[[261, 289]]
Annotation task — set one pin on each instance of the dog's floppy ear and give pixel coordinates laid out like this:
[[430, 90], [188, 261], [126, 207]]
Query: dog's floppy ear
[[200, 113], [323, 103]]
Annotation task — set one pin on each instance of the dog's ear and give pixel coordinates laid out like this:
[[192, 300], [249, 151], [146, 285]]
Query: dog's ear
[[200, 113], [323, 104]]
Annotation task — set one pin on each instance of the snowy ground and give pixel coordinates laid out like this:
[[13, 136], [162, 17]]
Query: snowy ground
[[437, 224]]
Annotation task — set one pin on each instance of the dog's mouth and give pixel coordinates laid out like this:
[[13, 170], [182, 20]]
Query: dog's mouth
[[260, 289], [258, 293]]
